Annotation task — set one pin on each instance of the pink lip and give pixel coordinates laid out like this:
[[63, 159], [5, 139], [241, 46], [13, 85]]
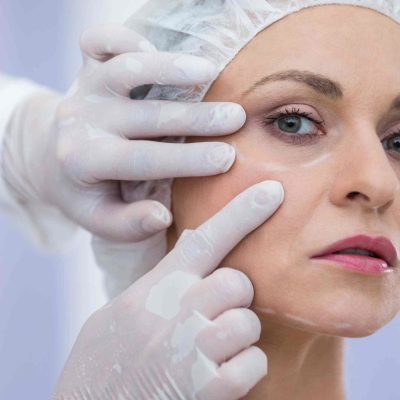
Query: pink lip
[[381, 246]]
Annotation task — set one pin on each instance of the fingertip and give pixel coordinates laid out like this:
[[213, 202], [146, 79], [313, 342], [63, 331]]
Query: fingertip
[[221, 156], [158, 219], [268, 192], [240, 114], [277, 188], [228, 117], [264, 361], [230, 159]]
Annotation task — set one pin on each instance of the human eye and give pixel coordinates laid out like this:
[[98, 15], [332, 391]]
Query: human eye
[[294, 126], [392, 143]]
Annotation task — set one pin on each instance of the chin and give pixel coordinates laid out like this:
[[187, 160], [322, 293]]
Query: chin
[[351, 317], [353, 322], [358, 310]]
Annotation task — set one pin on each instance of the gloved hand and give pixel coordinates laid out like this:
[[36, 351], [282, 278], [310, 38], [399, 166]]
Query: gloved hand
[[71, 151], [183, 330]]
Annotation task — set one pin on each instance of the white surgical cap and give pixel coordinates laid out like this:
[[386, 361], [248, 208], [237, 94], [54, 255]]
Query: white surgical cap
[[219, 29], [216, 30]]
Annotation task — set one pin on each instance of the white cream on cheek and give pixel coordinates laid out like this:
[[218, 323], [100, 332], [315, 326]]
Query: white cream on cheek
[[297, 318], [292, 317], [265, 310], [317, 161], [249, 162]]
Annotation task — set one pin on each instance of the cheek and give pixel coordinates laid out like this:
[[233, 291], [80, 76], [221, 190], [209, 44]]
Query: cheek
[[268, 254], [276, 255], [195, 200]]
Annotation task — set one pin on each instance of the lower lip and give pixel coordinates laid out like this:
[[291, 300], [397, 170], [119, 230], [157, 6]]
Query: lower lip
[[363, 264]]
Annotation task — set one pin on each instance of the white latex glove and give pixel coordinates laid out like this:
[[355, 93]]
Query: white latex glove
[[71, 151], [183, 330]]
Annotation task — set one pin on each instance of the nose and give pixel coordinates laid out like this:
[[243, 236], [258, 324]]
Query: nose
[[365, 176]]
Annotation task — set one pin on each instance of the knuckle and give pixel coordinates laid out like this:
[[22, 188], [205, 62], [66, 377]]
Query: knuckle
[[112, 68], [85, 38], [196, 246], [176, 115], [200, 117], [67, 112], [69, 158], [127, 61], [142, 160], [208, 117], [65, 151], [235, 283], [121, 59]]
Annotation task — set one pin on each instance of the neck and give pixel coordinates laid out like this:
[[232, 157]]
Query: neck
[[301, 365]]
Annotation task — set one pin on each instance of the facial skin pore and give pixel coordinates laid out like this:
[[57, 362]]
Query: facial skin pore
[[344, 181]]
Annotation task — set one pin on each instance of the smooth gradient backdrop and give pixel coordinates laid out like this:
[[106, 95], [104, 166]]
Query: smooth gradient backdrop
[[44, 299]]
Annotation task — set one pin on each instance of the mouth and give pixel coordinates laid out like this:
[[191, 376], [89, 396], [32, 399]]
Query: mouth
[[363, 250]]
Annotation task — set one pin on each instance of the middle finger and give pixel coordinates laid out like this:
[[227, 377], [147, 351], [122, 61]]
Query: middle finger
[[140, 119]]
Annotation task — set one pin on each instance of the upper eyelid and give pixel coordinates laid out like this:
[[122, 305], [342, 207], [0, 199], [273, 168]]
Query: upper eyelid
[[295, 110], [293, 105]]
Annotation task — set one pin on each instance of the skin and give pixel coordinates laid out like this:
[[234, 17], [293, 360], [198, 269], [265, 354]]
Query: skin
[[344, 184]]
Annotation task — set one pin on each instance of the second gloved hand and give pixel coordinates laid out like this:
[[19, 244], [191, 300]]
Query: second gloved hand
[[72, 151], [183, 330]]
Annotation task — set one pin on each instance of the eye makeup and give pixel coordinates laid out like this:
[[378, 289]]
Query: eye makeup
[[293, 124], [295, 118]]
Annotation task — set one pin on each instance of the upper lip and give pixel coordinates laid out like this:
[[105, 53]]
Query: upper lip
[[379, 245]]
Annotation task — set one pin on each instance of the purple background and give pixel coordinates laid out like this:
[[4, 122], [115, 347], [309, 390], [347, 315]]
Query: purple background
[[41, 302], [31, 288]]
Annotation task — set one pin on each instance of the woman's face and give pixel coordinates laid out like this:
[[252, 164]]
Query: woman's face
[[336, 161]]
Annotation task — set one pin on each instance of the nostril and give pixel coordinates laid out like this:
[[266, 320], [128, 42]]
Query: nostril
[[353, 194]]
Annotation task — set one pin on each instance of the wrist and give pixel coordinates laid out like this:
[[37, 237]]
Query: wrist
[[26, 144]]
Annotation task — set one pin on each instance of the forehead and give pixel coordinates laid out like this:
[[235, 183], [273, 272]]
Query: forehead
[[347, 43]]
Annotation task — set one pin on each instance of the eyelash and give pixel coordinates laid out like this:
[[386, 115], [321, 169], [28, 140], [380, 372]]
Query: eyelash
[[309, 138], [299, 139]]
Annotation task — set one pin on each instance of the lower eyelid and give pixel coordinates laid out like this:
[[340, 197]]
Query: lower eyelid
[[304, 139]]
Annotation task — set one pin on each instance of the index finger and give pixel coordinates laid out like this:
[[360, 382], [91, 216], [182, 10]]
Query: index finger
[[127, 71], [202, 249]]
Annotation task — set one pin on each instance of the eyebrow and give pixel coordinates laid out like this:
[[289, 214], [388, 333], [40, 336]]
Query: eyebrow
[[318, 82]]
